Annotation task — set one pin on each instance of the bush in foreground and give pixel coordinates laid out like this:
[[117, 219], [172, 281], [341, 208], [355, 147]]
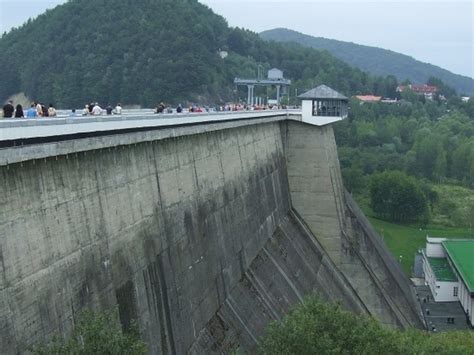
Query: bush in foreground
[[316, 327], [96, 333]]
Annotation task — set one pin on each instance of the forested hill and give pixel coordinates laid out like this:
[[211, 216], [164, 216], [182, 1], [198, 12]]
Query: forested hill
[[147, 51], [375, 60]]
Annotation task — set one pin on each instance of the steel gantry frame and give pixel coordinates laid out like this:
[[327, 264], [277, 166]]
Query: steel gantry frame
[[251, 83]]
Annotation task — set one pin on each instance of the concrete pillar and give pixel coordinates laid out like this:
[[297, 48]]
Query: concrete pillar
[[278, 94], [315, 183], [250, 96]]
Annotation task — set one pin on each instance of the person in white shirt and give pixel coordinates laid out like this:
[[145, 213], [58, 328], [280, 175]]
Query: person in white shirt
[[51, 111], [118, 109], [97, 110], [39, 109]]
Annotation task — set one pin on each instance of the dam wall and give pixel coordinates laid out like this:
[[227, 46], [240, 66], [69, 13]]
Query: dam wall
[[201, 234], [163, 229], [318, 195]]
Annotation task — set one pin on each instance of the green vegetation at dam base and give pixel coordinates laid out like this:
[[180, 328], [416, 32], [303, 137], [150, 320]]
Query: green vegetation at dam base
[[317, 327], [96, 333], [404, 241], [450, 218], [312, 327]]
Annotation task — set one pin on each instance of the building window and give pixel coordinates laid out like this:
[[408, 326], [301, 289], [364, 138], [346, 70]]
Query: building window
[[455, 291], [450, 320], [331, 108]]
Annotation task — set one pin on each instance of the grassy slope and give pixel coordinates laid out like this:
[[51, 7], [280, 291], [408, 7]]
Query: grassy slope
[[405, 240]]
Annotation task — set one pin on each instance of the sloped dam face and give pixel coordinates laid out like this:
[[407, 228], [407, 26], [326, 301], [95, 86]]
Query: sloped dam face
[[202, 237]]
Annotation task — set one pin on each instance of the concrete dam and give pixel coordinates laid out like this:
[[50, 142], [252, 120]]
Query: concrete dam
[[202, 229]]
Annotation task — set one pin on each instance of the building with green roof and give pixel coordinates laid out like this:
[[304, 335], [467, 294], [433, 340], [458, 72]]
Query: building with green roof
[[448, 266]]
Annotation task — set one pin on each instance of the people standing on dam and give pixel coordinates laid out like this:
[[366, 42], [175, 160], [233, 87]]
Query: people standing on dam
[[45, 110], [109, 109], [32, 112], [179, 109], [160, 108], [51, 111], [19, 111], [118, 109], [39, 109], [96, 110], [8, 110]]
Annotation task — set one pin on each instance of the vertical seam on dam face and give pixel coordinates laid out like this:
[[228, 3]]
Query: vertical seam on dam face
[[166, 306], [194, 236]]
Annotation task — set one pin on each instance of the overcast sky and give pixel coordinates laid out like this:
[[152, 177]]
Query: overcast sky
[[434, 31]]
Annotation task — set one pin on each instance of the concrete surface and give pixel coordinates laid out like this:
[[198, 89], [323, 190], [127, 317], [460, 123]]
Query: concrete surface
[[202, 234]]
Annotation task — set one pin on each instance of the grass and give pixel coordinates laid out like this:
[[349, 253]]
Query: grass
[[455, 206], [404, 241]]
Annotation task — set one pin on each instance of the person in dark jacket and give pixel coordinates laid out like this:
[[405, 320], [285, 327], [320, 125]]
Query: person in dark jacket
[[45, 110], [160, 108], [8, 110], [19, 112]]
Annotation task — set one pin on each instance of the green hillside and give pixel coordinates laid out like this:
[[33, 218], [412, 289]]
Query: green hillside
[[374, 60], [144, 51]]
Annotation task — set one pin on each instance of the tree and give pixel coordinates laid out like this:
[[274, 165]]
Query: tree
[[354, 179], [96, 333], [316, 327], [397, 197], [443, 89]]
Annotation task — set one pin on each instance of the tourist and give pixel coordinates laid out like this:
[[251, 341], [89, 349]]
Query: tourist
[[160, 108], [45, 110], [108, 110], [73, 113], [32, 112], [19, 111], [85, 111], [97, 110], [118, 109], [8, 110], [179, 109], [51, 111], [39, 109]]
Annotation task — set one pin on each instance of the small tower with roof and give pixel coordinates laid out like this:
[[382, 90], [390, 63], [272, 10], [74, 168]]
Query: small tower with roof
[[323, 105]]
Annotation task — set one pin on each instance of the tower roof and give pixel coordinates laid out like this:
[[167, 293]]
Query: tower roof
[[322, 92]]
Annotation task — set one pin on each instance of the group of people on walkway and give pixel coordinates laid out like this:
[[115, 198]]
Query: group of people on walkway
[[94, 109], [36, 109]]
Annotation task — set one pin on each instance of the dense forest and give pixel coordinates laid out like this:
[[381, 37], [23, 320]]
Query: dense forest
[[146, 51], [430, 141], [376, 61]]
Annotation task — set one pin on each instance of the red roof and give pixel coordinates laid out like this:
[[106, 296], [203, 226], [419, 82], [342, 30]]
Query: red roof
[[422, 89]]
